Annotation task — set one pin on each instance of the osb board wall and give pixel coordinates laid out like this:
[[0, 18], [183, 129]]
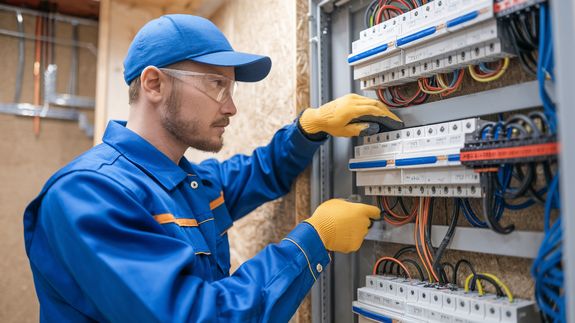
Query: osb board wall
[[277, 29], [263, 107], [28, 161]]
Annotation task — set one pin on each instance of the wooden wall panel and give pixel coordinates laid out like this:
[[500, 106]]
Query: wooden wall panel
[[28, 161]]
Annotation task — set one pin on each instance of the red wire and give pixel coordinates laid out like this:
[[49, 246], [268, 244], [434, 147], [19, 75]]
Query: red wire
[[380, 11]]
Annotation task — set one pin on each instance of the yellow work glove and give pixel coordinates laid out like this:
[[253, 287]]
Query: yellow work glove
[[351, 115], [342, 225]]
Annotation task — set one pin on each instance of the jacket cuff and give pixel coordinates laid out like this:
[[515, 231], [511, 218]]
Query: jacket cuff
[[320, 136], [302, 145], [309, 243]]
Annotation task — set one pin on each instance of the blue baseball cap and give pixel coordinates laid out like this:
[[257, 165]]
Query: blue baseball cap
[[175, 38]]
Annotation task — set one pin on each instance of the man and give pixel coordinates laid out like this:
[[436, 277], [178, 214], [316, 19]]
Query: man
[[132, 231]]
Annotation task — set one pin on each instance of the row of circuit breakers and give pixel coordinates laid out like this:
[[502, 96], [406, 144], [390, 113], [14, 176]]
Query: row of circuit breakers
[[387, 298], [437, 37]]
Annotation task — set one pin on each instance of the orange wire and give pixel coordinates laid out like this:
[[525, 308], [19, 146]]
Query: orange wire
[[427, 258], [403, 219], [415, 229], [390, 259]]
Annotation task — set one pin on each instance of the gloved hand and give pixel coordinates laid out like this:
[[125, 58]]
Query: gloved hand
[[342, 225], [350, 115]]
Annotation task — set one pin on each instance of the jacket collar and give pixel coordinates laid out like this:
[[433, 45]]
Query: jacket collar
[[142, 153]]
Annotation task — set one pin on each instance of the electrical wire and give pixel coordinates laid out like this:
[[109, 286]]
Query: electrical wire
[[380, 260], [458, 264], [393, 218], [446, 239], [501, 284], [479, 286], [489, 77]]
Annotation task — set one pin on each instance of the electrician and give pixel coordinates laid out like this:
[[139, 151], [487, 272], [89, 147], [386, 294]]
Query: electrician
[[131, 231]]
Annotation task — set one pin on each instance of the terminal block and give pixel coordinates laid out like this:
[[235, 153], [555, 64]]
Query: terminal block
[[387, 298]]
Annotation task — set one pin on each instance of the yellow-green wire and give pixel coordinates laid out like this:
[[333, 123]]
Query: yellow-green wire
[[495, 77], [501, 284], [479, 287]]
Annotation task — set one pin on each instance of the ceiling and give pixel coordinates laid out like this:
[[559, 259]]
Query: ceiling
[[91, 8], [78, 8]]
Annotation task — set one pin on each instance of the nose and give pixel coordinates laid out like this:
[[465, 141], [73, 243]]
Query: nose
[[229, 108]]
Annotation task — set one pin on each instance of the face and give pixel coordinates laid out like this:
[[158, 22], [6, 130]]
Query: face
[[193, 117]]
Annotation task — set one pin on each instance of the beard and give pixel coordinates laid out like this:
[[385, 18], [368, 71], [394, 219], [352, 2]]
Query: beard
[[188, 131]]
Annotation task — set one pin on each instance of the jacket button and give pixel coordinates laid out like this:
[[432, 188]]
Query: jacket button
[[319, 268], [194, 184]]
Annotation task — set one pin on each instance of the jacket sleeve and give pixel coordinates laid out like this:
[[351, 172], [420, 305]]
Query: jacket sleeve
[[132, 272], [249, 181]]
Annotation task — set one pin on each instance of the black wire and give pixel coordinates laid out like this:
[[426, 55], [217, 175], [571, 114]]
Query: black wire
[[535, 131], [538, 115], [488, 181], [400, 253], [524, 181], [417, 267], [446, 239], [446, 264], [523, 133], [403, 208], [458, 264], [427, 235], [498, 290], [404, 250]]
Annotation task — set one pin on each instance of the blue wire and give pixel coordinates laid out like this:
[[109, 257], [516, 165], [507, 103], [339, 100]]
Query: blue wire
[[545, 64], [546, 267]]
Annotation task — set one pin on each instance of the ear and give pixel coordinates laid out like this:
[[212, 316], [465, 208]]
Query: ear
[[153, 84]]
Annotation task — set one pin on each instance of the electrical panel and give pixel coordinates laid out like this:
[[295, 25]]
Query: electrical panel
[[475, 163]]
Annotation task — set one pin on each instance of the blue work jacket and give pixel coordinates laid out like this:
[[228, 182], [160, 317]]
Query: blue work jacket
[[123, 234]]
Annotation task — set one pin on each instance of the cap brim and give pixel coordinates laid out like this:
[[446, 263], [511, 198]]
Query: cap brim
[[248, 67]]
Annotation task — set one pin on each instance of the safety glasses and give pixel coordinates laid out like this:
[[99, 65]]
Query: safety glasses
[[217, 87]]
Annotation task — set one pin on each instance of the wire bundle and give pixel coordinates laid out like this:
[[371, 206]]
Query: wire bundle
[[393, 97], [428, 254], [483, 74], [522, 30], [396, 218], [547, 268], [510, 181], [396, 266], [438, 85], [381, 10]]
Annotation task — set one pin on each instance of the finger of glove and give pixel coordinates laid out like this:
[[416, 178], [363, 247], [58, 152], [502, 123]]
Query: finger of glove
[[367, 210], [371, 130], [384, 123], [356, 111], [380, 107]]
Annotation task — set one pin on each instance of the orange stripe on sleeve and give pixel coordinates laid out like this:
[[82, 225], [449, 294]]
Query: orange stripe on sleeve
[[169, 218]]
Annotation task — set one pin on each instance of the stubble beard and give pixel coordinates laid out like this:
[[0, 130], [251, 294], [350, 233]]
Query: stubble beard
[[187, 131]]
